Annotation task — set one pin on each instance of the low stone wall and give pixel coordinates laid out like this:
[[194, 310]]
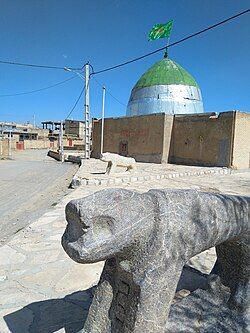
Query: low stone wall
[[37, 144], [119, 180]]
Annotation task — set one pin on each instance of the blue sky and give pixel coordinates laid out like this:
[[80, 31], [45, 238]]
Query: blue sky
[[107, 32]]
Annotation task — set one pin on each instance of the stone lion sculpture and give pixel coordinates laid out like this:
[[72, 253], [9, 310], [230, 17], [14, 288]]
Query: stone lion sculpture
[[115, 160], [146, 239]]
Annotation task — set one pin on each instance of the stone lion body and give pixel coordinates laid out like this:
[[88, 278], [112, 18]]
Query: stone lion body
[[115, 160], [146, 239]]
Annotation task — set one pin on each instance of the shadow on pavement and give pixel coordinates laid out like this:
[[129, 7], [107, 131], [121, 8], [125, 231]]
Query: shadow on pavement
[[69, 313], [52, 315]]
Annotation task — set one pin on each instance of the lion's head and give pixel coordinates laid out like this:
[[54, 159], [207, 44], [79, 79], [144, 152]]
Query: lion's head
[[104, 223]]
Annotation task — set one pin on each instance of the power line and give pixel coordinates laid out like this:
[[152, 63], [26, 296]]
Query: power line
[[78, 99], [41, 89], [116, 98], [109, 92], [175, 43], [34, 65], [83, 78]]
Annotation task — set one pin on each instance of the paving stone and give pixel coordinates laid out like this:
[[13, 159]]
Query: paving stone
[[10, 256], [118, 181], [89, 274]]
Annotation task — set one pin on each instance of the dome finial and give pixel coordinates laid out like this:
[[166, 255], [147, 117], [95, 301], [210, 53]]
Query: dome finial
[[166, 52]]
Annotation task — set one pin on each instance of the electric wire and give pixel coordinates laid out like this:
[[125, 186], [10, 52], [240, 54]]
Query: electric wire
[[35, 65], [83, 78], [130, 61], [175, 43], [77, 101], [123, 104], [115, 98], [38, 90]]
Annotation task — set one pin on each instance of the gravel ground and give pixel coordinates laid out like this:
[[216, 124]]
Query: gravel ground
[[30, 183]]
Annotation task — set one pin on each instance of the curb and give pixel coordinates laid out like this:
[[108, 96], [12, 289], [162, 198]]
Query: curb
[[134, 179]]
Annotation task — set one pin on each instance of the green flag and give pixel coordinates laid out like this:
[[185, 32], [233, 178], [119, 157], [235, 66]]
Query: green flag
[[160, 31]]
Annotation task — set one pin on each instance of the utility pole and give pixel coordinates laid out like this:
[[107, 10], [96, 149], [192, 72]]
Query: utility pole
[[61, 151], [86, 140], [87, 114], [34, 120], [10, 134], [1, 140], [103, 115]]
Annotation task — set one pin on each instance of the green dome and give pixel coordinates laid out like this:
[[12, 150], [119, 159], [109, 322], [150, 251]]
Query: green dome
[[165, 72]]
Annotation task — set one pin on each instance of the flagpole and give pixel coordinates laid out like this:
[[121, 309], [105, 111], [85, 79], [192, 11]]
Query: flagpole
[[161, 31], [166, 52]]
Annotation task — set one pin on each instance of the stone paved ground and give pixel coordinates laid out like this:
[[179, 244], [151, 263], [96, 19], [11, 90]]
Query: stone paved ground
[[43, 291]]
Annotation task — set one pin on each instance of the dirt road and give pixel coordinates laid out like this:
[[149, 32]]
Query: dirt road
[[30, 183]]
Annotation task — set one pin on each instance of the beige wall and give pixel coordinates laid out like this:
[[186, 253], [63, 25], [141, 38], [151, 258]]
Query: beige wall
[[37, 144], [75, 128], [15, 137], [204, 140], [168, 128], [241, 146], [144, 136], [4, 147], [46, 143], [42, 133]]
